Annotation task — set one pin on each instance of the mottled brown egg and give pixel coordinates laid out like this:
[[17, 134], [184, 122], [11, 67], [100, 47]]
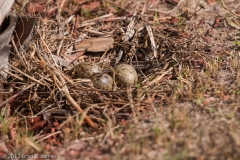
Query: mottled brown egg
[[126, 74], [85, 70], [102, 81]]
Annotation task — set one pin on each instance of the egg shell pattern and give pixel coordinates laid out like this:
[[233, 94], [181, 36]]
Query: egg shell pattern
[[86, 69], [102, 81], [126, 74]]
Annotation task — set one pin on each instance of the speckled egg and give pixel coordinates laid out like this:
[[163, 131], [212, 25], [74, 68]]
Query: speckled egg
[[85, 70], [102, 81], [126, 74]]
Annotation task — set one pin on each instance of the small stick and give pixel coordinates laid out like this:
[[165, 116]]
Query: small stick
[[114, 19], [49, 136], [73, 102], [131, 103], [153, 44], [65, 91], [86, 24], [20, 56], [158, 78], [65, 77], [17, 94], [128, 35], [94, 32], [35, 80], [19, 78], [60, 9], [98, 18], [225, 7]]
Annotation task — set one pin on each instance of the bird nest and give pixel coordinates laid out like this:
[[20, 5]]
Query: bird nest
[[40, 86]]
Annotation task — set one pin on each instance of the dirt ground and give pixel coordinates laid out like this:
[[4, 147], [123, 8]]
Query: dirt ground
[[185, 105]]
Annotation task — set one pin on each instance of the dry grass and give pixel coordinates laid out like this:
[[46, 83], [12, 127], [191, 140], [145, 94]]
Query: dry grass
[[185, 105]]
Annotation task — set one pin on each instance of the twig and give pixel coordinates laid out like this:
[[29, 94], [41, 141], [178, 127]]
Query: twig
[[109, 133], [157, 79], [94, 32], [20, 56], [35, 80], [128, 35], [60, 9], [65, 77], [48, 136], [225, 7], [153, 44], [91, 138], [131, 102], [13, 75], [17, 94], [74, 103], [98, 18], [86, 24], [114, 19], [65, 91]]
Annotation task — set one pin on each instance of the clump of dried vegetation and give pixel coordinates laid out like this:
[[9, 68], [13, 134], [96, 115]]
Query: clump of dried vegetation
[[185, 105]]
